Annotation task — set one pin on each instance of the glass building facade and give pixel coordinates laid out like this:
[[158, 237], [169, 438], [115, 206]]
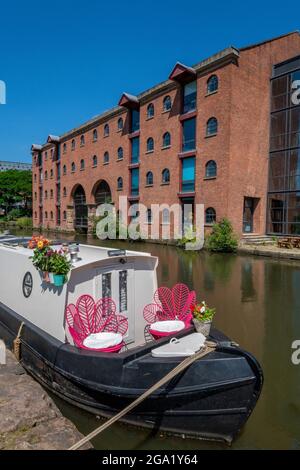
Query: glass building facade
[[283, 209]]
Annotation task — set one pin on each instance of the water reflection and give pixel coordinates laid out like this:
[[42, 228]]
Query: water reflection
[[258, 305]]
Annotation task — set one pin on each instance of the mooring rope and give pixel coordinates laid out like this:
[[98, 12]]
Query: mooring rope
[[209, 346], [17, 343]]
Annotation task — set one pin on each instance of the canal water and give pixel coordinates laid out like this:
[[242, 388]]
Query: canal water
[[258, 305]]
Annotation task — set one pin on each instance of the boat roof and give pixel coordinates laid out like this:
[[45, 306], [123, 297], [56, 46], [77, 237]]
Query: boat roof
[[88, 254]]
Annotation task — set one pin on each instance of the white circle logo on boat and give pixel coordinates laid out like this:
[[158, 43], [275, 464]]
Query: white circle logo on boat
[[27, 284]]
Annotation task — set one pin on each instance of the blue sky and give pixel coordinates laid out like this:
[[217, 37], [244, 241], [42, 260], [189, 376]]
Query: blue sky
[[66, 61]]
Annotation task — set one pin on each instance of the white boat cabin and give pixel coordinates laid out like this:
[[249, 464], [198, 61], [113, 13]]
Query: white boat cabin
[[128, 277]]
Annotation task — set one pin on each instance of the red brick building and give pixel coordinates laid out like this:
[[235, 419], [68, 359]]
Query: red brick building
[[202, 136]]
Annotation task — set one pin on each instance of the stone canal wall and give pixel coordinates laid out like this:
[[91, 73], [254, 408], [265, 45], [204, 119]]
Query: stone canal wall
[[29, 419]]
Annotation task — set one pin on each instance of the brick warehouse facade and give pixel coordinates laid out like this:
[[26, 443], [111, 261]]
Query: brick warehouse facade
[[202, 136]]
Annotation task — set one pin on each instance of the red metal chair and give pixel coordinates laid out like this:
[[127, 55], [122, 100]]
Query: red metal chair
[[87, 317], [172, 305]]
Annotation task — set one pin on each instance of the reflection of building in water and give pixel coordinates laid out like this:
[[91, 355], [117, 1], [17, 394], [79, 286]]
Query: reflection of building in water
[[247, 284], [282, 322]]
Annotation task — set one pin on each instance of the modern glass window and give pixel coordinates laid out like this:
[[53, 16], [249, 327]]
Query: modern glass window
[[149, 178], [166, 139], [284, 160], [149, 216], [190, 97], [135, 120], [135, 150], [212, 126], [65, 169], [82, 141], [106, 130], [120, 124], [95, 135], [150, 144], [73, 167], [165, 176], [188, 175], [95, 160], [73, 144], [189, 135], [82, 164], [212, 84], [210, 215], [150, 110], [64, 148], [211, 169], [167, 103], [120, 183], [106, 157], [135, 182], [120, 153]]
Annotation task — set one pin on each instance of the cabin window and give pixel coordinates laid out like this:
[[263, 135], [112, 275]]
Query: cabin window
[[106, 285], [123, 291]]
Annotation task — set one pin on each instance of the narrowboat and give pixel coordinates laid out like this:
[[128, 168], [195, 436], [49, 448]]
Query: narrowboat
[[211, 400]]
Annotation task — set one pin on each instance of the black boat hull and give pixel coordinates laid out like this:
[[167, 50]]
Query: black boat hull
[[211, 400]]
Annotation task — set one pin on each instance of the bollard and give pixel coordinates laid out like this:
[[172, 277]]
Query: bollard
[[2, 353]]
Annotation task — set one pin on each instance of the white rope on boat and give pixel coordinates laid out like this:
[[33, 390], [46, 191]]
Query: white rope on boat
[[209, 346]]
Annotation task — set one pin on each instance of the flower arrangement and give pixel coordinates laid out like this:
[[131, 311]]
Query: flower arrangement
[[202, 317], [202, 312], [41, 249]]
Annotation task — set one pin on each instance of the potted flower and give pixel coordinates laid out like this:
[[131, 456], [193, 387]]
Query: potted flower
[[60, 267], [40, 258], [202, 317]]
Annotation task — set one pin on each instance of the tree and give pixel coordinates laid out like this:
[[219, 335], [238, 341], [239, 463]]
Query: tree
[[222, 237], [15, 186]]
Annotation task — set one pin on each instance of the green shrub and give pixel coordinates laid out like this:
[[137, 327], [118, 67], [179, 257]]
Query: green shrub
[[24, 222], [222, 237]]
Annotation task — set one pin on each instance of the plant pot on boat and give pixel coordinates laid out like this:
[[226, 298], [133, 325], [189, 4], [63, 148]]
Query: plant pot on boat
[[41, 255], [54, 266], [59, 266], [202, 317]]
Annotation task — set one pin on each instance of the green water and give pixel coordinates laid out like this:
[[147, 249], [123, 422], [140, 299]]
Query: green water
[[258, 305]]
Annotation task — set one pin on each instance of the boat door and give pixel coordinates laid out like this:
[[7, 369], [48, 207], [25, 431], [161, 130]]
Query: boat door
[[119, 285]]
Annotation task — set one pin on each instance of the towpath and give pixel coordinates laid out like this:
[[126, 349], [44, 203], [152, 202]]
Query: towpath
[[29, 419]]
